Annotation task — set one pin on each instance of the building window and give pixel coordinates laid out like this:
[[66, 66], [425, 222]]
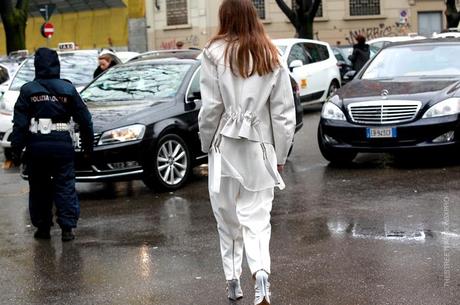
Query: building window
[[319, 12], [260, 7], [176, 12], [364, 7]]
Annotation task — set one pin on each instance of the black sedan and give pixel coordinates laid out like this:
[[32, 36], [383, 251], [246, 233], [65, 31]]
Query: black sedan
[[145, 116], [406, 98]]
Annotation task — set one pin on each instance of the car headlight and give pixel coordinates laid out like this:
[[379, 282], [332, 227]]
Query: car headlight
[[332, 112], [123, 134], [447, 107]]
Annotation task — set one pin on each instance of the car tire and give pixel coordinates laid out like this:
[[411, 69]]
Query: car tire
[[168, 165], [335, 157], [332, 88]]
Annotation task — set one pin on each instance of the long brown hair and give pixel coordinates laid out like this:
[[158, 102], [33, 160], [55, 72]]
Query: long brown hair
[[248, 47]]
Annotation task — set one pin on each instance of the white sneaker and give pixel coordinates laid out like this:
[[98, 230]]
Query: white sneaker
[[234, 290], [262, 288]]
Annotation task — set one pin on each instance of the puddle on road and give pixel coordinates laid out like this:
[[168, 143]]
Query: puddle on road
[[384, 231]]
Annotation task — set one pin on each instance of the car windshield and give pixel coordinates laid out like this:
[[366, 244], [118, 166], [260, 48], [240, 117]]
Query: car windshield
[[430, 61], [75, 67], [137, 82]]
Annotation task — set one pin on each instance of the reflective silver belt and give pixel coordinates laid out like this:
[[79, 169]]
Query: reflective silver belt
[[45, 126]]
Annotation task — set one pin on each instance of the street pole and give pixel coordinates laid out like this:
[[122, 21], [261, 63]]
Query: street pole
[[46, 18]]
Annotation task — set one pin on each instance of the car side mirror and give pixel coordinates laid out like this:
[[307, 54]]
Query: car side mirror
[[194, 97], [295, 64], [341, 63], [349, 75]]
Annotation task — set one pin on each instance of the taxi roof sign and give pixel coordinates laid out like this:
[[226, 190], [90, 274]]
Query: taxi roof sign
[[66, 46]]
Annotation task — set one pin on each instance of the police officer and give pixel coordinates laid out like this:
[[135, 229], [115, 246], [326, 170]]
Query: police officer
[[41, 124]]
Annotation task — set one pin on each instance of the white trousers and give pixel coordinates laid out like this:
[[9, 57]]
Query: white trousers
[[243, 220]]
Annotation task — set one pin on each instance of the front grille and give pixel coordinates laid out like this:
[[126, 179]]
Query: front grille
[[384, 112]]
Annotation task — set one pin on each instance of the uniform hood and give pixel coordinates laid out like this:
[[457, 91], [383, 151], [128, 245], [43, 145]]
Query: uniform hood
[[47, 64]]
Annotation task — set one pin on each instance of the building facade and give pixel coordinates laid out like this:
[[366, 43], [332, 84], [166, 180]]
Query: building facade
[[119, 24], [193, 22]]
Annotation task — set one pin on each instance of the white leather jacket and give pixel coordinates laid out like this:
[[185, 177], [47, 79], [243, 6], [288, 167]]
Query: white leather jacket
[[258, 108]]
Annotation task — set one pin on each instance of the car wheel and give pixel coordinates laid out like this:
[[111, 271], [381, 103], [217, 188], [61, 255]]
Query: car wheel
[[332, 88], [334, 156], [168, 165]]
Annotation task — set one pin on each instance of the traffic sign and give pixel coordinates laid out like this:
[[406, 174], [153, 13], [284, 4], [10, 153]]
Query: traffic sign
[[47, 10], [47, 29]]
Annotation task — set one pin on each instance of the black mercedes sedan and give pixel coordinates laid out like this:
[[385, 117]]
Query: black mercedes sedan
[[145, 116], [406, 98]]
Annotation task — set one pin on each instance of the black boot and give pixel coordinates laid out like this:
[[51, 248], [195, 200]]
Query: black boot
[[42, 233], [67, 235]]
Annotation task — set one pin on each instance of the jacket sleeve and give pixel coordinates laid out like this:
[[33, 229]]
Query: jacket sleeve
[[352, 57], [21, 122], [82, 117], [282, 111], [212, 104]]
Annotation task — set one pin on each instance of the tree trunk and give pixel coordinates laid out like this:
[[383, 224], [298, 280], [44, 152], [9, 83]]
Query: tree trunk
[[302, 17], [14, 20], [15, 33], [305, 29], [452, 15]]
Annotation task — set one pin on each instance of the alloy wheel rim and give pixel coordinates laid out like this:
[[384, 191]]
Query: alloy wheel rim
[[172, 162]]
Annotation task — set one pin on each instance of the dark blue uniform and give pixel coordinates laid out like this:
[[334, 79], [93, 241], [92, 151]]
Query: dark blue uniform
[[50, 156]]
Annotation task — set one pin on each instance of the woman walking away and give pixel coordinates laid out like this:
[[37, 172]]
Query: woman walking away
[[361, 53], [247, 123]]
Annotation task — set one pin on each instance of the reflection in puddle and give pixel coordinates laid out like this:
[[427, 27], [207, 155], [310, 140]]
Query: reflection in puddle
[[393, 235], [145, 261], [342, 228]]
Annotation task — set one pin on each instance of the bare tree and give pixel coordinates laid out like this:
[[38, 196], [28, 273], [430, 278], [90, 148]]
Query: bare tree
[[301, 16], [452, 14], [14, 18]]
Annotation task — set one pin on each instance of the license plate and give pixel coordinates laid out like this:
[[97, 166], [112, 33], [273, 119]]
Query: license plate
[[380, 133]]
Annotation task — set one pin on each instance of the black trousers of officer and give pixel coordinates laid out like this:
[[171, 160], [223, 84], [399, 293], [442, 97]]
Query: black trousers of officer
[[50, 166]]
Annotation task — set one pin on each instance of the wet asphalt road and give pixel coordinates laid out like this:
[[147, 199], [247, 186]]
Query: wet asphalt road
[[383, 231]]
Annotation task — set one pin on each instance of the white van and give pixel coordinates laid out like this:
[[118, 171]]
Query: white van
[[313, 65]]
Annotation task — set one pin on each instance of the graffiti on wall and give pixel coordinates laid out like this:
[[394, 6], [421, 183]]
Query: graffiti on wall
[[189, 41], [192, 40], [169, 44], [382, 30]]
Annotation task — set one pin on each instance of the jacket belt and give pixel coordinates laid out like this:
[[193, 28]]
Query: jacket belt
[[215, 151]]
